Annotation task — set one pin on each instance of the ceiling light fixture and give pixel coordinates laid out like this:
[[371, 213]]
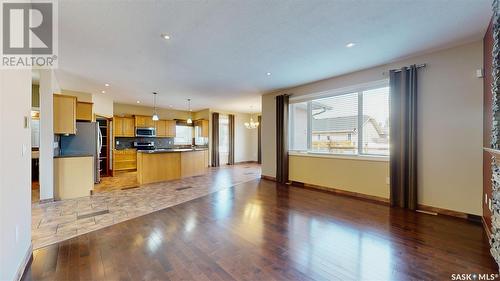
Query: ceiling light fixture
[[103, 92], [252, 124], [268, 74], [189, 121], [165, 36], [350, 45], [106, 85], [155, 115], [138, 101]]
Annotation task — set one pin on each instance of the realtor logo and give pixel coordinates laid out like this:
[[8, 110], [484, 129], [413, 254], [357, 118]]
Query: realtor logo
[[29, 34]]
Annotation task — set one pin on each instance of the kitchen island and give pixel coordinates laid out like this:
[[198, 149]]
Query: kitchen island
[[170, 164]]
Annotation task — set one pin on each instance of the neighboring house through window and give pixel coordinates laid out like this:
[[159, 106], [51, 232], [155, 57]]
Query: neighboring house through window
[[353, 122]]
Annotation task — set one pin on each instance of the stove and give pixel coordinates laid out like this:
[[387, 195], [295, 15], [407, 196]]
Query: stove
[[144, 145]]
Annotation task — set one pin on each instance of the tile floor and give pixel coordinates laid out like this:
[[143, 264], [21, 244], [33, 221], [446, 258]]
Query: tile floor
[[57, 221]]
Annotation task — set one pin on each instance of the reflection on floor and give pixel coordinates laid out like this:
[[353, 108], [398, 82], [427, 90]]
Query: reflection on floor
[[120, 180], [61, 220], [260, 230], [35, 192]]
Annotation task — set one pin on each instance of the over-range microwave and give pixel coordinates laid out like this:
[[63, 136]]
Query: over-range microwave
[[145, 132]]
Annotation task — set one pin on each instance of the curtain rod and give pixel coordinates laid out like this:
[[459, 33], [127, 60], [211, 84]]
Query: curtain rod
[[418, 66]]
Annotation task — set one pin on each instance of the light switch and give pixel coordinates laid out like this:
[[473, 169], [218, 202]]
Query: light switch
[[24, 150]]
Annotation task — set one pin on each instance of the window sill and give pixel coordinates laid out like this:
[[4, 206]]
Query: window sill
[[340, 156]]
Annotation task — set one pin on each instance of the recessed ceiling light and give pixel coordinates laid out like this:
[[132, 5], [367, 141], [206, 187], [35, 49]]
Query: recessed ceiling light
[[165, 36], [138, 101], [103, 92], [350, 45], [107, 85], [268, 74]]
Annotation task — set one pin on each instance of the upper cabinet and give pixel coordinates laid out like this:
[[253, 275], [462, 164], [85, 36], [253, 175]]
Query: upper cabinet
[[123, 126], [64, 114], [203, 127], [165, 128], [144, 122], [84, 111]]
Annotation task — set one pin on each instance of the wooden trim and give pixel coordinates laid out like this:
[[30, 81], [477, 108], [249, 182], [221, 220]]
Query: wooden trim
[[486, 228], [245, 162], [269, 178], [28, 258], [450, 213], [361, 196], [87, 102]]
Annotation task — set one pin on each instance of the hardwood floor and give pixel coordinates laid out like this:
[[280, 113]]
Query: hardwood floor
[[261, 230]]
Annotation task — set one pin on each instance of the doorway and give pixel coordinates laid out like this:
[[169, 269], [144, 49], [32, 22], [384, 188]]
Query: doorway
[[223, 139]]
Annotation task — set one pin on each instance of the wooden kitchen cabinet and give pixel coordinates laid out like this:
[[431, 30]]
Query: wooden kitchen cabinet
[[144, 121], [203, 125], [204, 128], [123, 126], [170, 128], [124, 159], [161, 128], [84, 111], [165, 128], [64, 114]]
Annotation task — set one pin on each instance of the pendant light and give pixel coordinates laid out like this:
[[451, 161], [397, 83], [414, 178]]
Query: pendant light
[[252, 124], [155, 115], [189, 121]]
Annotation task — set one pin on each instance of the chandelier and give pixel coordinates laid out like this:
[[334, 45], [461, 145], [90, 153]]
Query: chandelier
[[252, 124]]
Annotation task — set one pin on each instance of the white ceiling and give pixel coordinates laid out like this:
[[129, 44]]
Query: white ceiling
[[220, 51]]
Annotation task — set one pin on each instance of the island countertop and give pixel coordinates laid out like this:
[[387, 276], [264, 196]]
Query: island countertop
[[170, 164], [170, 150]]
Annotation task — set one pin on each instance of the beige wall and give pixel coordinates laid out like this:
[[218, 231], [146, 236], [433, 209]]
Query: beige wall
[[450, 106], [103, 105], [80, 96], [360, 176], [15, 171], [121, 109]]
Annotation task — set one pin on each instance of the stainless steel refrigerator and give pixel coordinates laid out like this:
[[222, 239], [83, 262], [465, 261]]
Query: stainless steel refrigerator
[[87, 141]]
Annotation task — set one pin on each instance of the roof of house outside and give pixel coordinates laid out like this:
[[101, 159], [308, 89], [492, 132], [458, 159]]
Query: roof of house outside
[[344, 124]]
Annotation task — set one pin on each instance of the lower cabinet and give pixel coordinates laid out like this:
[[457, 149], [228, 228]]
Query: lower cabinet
[[73, 177], [124, 159]]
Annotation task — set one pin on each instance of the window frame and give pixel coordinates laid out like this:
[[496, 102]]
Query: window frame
[[309, 98]]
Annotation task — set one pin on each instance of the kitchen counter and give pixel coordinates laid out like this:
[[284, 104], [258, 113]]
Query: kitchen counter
[[73, 156], [170, 164], [170, 150]]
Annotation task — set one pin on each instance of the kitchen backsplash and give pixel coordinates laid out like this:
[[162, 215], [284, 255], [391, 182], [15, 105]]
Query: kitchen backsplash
[[122, 143]]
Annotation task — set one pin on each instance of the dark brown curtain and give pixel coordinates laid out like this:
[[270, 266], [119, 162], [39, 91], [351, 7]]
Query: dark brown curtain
[[259, 143], [282, 138], [215, 140], [230, 158], [403, 132]]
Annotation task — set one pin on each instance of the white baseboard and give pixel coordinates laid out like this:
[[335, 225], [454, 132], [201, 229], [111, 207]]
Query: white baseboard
[[26, 260]]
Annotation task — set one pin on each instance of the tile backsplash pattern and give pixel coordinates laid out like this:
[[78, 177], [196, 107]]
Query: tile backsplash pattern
[[123, 143]]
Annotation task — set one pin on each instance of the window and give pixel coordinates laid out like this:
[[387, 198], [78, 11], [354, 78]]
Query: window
[[353, 122], [183, 135], [223, 139]]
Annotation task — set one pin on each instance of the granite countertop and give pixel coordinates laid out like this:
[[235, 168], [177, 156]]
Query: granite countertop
[[168, 150], [73, 156]]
